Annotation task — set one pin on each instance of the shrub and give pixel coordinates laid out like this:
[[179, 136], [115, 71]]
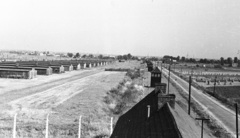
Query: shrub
[[122, 97], [218, 66], [133, 74]]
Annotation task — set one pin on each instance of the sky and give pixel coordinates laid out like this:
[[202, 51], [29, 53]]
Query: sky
[[193, 28]]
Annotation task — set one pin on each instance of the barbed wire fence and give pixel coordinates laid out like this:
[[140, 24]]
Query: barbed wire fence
[[108, 123]]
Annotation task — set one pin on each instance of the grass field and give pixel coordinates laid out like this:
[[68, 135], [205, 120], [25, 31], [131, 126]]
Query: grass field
[[230, 93], [65, 97], [201, 75]]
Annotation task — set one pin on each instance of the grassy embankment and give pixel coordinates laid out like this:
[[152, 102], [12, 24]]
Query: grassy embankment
[[123, 97]]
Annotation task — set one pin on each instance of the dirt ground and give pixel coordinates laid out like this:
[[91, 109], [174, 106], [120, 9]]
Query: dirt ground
[[64, 96]]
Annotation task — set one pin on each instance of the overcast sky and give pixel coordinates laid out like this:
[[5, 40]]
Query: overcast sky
[[199, 28]]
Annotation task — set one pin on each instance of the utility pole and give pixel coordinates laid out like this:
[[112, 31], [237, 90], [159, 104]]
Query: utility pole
[[192, 71], [203, 119], [169, 77], [174, 67], [214, 88], [161, 72], [189, 98], [236, 105]]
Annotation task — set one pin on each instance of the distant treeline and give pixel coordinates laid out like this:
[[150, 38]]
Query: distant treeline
[[221, 61]]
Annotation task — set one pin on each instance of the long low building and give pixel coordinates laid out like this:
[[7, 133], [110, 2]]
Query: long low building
[[46, 67], [17, 73], [40, 70]]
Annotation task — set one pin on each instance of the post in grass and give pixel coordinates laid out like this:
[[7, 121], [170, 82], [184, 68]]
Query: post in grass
[[189, 95], [79, 127], [169, 77], [111, 126], [236, 106], [46, 135], [14, 125]]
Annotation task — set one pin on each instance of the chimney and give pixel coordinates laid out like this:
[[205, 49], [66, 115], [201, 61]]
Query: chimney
[[160, 88], [169, 98]]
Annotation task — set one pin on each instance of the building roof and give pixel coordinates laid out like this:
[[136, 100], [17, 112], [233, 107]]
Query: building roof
[[156, 70], [136, 124]]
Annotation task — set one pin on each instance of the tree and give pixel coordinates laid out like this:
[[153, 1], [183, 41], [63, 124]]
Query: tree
[[77, 55], [125, 57], [211, 61], [70, 54], [205, 60], [129, 56], [229, 61], [100, 56], [84, 56], [235, 60], [119, 57], [178, 58], [222, 61], [183, 59], [90, 55]]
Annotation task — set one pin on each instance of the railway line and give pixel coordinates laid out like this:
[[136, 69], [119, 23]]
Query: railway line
[[224, 116], [6, 97], [54, 96]]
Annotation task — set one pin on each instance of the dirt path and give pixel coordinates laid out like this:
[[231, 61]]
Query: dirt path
[[57, 95], [8, 96]]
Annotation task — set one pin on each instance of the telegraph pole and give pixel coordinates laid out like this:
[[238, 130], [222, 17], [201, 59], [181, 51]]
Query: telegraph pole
[[169, 77], [236, 105], [161, 72], [192, 71], [189, 98], [214, 88], [203, 119]]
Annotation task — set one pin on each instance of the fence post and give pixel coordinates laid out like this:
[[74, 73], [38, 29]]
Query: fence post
[[148, 113], [189, 95], [46, 135], [169, 77], [79, 128], [14, 125], [236, 106], [111, 126]]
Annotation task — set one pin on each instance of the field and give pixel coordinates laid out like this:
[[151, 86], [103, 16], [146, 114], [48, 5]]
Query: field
[[64, 97], [227, 81], [205, 76], [231, 93]]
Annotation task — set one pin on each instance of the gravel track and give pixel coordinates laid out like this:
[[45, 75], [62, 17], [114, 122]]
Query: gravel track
[[15, 94]]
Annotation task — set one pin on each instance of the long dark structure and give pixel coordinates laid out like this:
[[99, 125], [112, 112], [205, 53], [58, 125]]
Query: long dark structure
[[18, 69], [155, 76], [17, 73], [150, 118]]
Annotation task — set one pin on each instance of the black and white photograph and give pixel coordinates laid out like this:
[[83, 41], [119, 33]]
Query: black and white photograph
[[119, 68]]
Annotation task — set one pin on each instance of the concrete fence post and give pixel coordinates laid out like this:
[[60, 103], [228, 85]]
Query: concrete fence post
[[79, 127], [148, 115], [14, 125], [111, 126], [46, 135]]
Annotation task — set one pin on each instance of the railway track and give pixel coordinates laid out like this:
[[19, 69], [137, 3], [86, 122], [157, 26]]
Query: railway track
[[54, 96], [16, 94], [224, 116]]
